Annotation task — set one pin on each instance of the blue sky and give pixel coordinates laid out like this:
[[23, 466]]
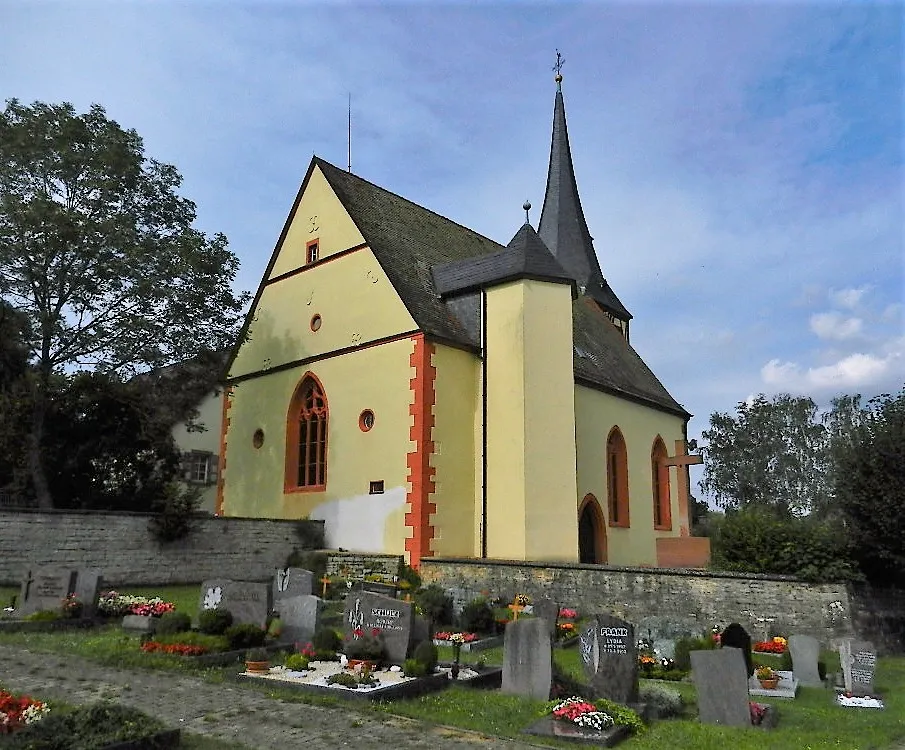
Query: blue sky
[[740, 165]]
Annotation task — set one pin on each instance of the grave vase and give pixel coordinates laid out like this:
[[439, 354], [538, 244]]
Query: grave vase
[[769, 684], [257, 667]]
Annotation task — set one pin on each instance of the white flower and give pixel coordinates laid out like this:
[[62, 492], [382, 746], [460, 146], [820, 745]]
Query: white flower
[[35, 712], [213, 597]]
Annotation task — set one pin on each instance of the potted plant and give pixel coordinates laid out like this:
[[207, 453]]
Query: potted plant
[[767, 676], [257, 660], [364, 647]]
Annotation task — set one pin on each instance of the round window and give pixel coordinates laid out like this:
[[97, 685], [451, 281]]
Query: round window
[[366, 420], [257, 440], [316, 322]]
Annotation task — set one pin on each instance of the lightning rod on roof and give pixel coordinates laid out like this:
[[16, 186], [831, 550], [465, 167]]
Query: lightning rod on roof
[[350, 131]]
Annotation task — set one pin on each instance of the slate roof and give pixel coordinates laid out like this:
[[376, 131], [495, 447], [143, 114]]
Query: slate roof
[[424, 253], [525, 257], [562, 225]]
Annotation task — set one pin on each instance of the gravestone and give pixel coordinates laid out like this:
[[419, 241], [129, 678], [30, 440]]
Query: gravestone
[[735, 636], [376, 587], [548, 611], [805, 651], [392, 617], [247, 601], [527, 659], [300, 616], [663, 631], [88, 583], [44, 590], [859, 661], [721, 680], [292, 582], [610, 657]]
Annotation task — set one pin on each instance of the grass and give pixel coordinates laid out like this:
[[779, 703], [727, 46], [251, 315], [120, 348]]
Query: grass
[[810, 722]]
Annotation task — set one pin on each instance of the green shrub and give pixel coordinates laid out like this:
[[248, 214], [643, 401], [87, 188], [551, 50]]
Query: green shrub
[[413, 668], [214, 621], [326, 640], [435, 603], [244, 636], [410, 576], [623, 716], [96, 725], [785, 661], [174, 513], [664, 701], [173, 622], [684, 647], [296, 662], [259, 653], [426, 653], [213, 643], [44, 615], [477, 617], [342, 678], [314, 561]]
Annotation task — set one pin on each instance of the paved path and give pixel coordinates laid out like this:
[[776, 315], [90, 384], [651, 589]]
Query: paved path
[[227, 710]]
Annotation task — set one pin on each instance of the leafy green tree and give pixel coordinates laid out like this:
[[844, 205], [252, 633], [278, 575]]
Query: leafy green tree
[[98, 251], [14, 398], [772, 453], [869, 473]]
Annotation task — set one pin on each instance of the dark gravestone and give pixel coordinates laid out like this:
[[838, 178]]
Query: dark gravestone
[[721, 680], [292, 582], [45, 590], [527, 659], [735, 636], [88, 584], [247, 601], [392, 617], [859, 662], [610, 656], [805, 652], [300, 617], [548, 611]]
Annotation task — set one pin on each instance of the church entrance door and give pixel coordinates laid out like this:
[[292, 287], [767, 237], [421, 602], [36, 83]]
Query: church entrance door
[[591, 532]]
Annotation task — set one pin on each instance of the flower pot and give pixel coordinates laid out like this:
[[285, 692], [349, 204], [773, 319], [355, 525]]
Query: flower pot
[[366, 664], [257, 667], [769, 684]]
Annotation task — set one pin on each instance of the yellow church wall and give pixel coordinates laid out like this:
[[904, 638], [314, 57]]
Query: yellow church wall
[[596, 413], [456, 411], [375, 378], [351, 294], [530, 423], [204, 441], [319, 216]]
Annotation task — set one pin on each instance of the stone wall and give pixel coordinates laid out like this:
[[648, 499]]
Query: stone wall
[[689, 600], [122, 548], [880, 616], [354, 565]]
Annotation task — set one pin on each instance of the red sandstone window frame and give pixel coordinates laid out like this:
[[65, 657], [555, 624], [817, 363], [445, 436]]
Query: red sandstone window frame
[[660, 486], [307, 425], [617, 480], [312, 251]]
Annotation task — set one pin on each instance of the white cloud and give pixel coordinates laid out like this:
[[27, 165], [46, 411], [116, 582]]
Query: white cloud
[[848, 298], [834, 325]]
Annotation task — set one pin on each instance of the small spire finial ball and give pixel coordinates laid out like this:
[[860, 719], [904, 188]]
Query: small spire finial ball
[[558, 78], [526, 206]]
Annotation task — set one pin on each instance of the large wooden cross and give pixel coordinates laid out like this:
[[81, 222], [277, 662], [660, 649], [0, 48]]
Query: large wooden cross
[[682, 461]]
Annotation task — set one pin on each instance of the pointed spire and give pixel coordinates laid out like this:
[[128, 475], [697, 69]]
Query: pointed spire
[[562, 225]]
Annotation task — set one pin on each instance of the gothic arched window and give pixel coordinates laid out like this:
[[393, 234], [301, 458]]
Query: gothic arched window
[[659, 473], [617, 478], [306, 437]]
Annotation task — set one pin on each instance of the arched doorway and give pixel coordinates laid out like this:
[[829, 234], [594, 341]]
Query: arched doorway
[[591, 532]]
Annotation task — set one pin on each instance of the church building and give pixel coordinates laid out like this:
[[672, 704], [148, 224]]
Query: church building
[[428, 392]]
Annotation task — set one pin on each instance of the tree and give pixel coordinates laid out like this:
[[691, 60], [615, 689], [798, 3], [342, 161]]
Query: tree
[[772, 453], [98, 251], [869, 474]]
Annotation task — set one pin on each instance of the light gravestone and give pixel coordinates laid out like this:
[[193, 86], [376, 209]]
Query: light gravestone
[[292, 582], [300, 617], [527, 659], [45, 590], [88, 584], [805, 651], [392, 617], [859, 661], [247, 601], [548, 611], [663, 631], [721, 680], [610, 657]]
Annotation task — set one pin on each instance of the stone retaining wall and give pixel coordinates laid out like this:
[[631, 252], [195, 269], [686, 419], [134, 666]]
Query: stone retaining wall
[[696, 599], [122, 548]]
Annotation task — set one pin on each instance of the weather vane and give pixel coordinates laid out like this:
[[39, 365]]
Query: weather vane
[[558, 68]]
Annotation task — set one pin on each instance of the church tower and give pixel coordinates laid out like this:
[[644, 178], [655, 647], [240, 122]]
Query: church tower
[[562, 224]]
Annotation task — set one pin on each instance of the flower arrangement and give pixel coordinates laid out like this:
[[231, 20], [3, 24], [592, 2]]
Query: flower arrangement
[[15, 712], [766, 673], [522, 600], [580, 712], [72, 607], [566, 626], [566, 613], [113, 604], [776, 645], [181, 649], [456, 637], [365, 646]]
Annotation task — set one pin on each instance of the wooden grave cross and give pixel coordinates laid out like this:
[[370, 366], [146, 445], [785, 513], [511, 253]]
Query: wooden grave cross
[[325, 580], [682, 460]]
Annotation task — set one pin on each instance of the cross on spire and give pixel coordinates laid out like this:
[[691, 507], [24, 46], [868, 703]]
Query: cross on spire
[[560, 61]]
